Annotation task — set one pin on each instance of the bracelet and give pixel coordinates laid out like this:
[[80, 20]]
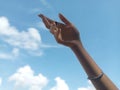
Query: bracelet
[[96, 77]]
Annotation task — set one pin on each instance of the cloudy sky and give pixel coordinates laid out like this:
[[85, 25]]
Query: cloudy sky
[[30, 58]]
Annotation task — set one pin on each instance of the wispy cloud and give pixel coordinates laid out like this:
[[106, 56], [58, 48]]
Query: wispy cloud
[[45, 3], [12, 55], [45, 6], [0, 81], [25, 78], [36, 10]]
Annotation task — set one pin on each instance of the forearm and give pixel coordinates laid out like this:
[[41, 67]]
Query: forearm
[[95, 74], [84, 58]]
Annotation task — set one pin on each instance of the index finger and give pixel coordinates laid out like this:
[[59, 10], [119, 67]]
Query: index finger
[[45, 20]]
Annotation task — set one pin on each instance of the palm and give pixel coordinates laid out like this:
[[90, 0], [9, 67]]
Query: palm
[[68, 32]]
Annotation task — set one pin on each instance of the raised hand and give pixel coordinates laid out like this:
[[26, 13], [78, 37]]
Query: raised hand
[[65, 33]]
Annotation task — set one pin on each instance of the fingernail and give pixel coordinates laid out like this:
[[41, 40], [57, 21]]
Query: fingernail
[[60, 14], [40, 15]]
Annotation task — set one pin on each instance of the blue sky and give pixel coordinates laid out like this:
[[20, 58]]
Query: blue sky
[[30, 52]]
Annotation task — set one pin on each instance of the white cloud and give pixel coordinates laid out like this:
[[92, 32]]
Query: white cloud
[[29, 40], [4, 56], [15, 52], [61, 85], [12, 55], [89, 87], [24, 77], [0, 81], [45, 3]]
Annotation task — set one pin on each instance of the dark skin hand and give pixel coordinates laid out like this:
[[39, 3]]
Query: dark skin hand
[[65, 33]]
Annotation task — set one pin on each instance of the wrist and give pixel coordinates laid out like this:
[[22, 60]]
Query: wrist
[[76, 44]]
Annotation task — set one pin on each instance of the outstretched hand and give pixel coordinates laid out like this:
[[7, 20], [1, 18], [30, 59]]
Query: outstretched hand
[[65, 33]]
